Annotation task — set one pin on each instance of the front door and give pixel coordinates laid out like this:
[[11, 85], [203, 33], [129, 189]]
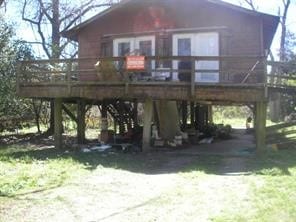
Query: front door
[[197, 44]]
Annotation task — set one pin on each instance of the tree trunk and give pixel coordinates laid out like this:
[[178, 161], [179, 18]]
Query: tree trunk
[[37, 110], [169, 124], [275, 105], [55, 51]]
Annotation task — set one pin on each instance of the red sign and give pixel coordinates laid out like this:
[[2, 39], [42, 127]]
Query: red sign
[[135, 62]]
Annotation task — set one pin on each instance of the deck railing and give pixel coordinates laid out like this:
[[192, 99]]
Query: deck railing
[[282, 75], [194, 70]]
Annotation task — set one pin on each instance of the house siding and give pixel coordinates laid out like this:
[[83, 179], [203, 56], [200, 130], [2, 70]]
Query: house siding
[[241, 38]]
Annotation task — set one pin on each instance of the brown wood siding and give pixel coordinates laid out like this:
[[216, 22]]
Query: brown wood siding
[[241, 38]]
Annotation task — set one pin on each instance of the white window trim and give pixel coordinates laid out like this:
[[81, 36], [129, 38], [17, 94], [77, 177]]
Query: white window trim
[[134, 43], [193, 37]]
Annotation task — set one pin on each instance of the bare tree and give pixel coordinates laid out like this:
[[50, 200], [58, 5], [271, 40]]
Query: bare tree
[[3, 4], [283, 22], [49, 18], [251, 4]]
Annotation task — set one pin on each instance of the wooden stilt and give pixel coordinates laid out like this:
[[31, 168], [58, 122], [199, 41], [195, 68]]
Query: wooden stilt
[[121, 117], [210, 114], [148, 111], [104, 116], [58, 123], [260, 125], [135, 113], [81, 122], [104, 109], [184, 114], [196, 115], [192, 105]]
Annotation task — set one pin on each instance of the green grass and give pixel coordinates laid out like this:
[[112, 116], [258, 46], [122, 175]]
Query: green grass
[[272, 184], [29, 169], [22, 173], [192, 191]]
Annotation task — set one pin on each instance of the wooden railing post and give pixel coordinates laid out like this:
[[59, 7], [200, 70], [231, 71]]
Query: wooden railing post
[[192, 77], [265, 70]]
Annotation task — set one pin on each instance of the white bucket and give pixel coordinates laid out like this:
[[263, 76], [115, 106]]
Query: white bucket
[[178, 140]]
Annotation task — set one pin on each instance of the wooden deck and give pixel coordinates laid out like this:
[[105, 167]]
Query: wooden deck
[[65, 80], [62, 79], [236, 93]]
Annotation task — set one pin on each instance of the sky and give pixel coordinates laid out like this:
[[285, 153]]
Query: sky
[[266, 6]]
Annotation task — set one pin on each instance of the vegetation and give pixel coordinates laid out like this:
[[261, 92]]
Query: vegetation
[[12, 108]]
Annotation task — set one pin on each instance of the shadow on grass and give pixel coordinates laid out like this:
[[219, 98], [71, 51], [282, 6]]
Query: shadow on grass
[[160, 162], [272, 163]]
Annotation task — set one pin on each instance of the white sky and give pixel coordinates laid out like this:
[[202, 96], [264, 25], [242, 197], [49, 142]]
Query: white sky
[[265, 6]]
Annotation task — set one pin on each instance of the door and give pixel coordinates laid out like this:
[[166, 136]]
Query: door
[[182, 46], [197, 44]]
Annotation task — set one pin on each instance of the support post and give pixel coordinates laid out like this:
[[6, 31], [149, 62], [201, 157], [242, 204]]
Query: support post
[[81, 121], [148, 111], [192, 113], [260, 125], [58, 123], [210, 114], [184, 114], [135, 113], [192, 84]]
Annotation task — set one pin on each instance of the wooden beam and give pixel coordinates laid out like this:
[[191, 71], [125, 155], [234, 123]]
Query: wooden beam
[[58, 123], [81, 121], [260, 125], [148, 112]]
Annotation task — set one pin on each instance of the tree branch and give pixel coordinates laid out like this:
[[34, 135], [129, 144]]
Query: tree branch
[[44, 10], [24, 15], [251, 5], [80, 14], [41, 34], [35, 42]]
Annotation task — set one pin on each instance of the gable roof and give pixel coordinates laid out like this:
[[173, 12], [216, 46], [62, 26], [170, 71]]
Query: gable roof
[[270, 22]]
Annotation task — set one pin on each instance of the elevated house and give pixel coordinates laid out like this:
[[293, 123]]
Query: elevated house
[[199, 51]]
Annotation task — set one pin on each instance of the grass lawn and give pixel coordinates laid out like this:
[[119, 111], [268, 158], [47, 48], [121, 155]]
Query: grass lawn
[[49, 185]]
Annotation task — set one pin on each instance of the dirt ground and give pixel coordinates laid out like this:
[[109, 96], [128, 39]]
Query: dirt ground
[[166, 194]]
